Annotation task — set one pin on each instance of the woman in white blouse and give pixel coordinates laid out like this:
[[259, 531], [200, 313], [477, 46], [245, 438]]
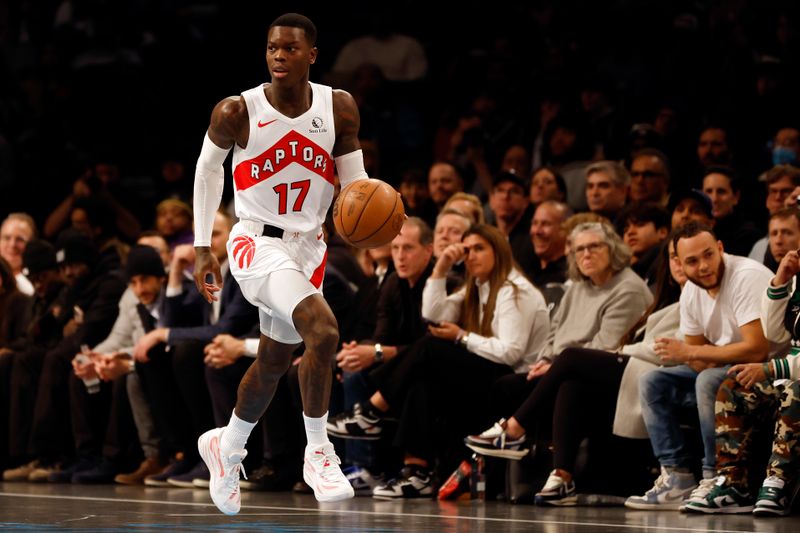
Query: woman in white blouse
[[492, 326]]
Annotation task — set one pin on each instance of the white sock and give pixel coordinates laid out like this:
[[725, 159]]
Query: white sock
[[316, 434], [234, 436]]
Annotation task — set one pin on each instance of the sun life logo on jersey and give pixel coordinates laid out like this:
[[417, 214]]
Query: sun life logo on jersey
[[317, 124], [244, 249]]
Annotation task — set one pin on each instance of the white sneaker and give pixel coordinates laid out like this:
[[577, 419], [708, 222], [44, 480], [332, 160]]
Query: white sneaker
[[699, 494], [224, 481], [668, 492], [322, 473]]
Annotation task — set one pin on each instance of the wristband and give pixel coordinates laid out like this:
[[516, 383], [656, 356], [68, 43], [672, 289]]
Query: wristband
[[767, 369]]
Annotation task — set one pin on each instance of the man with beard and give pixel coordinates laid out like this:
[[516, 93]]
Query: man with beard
[[720, 320]]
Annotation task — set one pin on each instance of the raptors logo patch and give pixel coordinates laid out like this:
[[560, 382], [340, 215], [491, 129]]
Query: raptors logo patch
[[244, 248]]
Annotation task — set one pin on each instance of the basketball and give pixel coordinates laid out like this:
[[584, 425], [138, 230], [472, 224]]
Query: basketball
[[368, 213]]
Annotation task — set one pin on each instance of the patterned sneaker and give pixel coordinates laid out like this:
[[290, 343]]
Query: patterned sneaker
[[495, 443], [699, 494], [355, 424], [556, 491], [413, 482], [772, 498], [362, 480], [224, 471], [668, 492], [723, 498], [321, 471]]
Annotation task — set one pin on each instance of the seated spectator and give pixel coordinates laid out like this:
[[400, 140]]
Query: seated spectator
[[25, 355], [650, 176], [784, 235], [103, 421], [593, 392], [607, 184], [547, 184], [786, 146], [450, 228], [231, 313], [516, 160], [16, 230], [721, 324], [713, 147], [174, 222], [603, 301], [96, 181], [94, 216], [738, 234], [645, 228], [781, 181], [443, 182], [414, 190], [15, 308], [688, 205], [493, 326], [752, 393], [468, 204], [512, 212], [549, 239], [85, 314]]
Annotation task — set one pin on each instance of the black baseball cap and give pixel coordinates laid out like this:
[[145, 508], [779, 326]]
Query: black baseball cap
[[509, 176], [39, 256], [696, 194]]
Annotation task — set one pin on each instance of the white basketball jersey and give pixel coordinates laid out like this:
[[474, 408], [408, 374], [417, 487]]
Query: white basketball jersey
[[284, 177]]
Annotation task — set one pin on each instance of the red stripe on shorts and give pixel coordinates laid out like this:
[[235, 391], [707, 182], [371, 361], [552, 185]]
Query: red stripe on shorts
[[319, 273]]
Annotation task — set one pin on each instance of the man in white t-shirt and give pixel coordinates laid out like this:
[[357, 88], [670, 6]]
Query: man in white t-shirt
[[720, 319]]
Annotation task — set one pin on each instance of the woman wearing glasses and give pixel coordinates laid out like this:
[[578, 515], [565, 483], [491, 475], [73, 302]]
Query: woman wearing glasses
[[604, 300]]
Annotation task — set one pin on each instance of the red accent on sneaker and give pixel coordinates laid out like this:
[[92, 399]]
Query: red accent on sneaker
[[214, 445]]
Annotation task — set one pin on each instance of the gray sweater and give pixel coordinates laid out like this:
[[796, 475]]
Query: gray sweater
[[597, 317]]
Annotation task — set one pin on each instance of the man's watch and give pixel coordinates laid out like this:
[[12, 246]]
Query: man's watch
[[378, 353]]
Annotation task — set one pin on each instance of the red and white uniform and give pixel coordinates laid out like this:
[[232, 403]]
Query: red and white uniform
[[284, 177]]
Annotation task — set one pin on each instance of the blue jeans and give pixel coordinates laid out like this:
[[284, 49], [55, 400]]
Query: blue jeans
[[661, 392], [357, 388]]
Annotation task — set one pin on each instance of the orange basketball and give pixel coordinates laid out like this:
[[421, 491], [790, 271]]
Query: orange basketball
[[368, 213]]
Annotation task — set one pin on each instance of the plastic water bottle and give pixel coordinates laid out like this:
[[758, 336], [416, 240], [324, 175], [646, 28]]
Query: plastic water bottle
[[92, 384], [478, 480]]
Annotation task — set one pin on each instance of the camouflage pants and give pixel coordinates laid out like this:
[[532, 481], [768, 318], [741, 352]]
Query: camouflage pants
[[739, 411]]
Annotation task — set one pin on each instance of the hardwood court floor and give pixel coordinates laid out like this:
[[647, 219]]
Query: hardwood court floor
[[41, 508]]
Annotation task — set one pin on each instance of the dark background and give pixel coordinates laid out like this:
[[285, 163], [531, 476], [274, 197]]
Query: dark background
[[134, 82]]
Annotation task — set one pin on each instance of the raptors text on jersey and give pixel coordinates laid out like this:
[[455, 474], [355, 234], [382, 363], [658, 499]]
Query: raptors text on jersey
[[284, 176]]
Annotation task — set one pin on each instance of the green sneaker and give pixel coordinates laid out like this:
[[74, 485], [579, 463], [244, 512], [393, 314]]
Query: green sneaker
[[722, 499], [772, 499]]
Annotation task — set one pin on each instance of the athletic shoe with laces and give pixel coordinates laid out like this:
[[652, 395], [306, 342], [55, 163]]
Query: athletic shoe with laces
[[224, 471], [495, 443], [723, 498], [321, 471], [699, 494], [556, 491], [772, 499], [413, 482], [355, 424], [668, 492], [362, 480]]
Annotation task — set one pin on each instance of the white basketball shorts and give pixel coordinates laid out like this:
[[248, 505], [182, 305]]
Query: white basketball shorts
[[275, 274]]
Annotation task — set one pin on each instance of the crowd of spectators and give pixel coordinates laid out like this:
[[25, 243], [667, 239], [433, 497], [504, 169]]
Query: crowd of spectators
[[559, 163]]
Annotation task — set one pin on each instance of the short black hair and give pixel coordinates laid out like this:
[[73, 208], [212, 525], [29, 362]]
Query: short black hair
[[642, 213], [296, 20], [689, 230], [726, 171]]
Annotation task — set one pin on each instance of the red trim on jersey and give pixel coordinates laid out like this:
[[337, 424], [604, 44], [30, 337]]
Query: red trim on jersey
[[319, 273], [294, 147]]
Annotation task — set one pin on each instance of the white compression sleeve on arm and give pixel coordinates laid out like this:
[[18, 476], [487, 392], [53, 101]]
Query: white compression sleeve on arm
[[208, 183], [350, 167]]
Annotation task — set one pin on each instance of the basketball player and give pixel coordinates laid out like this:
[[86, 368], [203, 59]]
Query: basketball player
[[285, 137]]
